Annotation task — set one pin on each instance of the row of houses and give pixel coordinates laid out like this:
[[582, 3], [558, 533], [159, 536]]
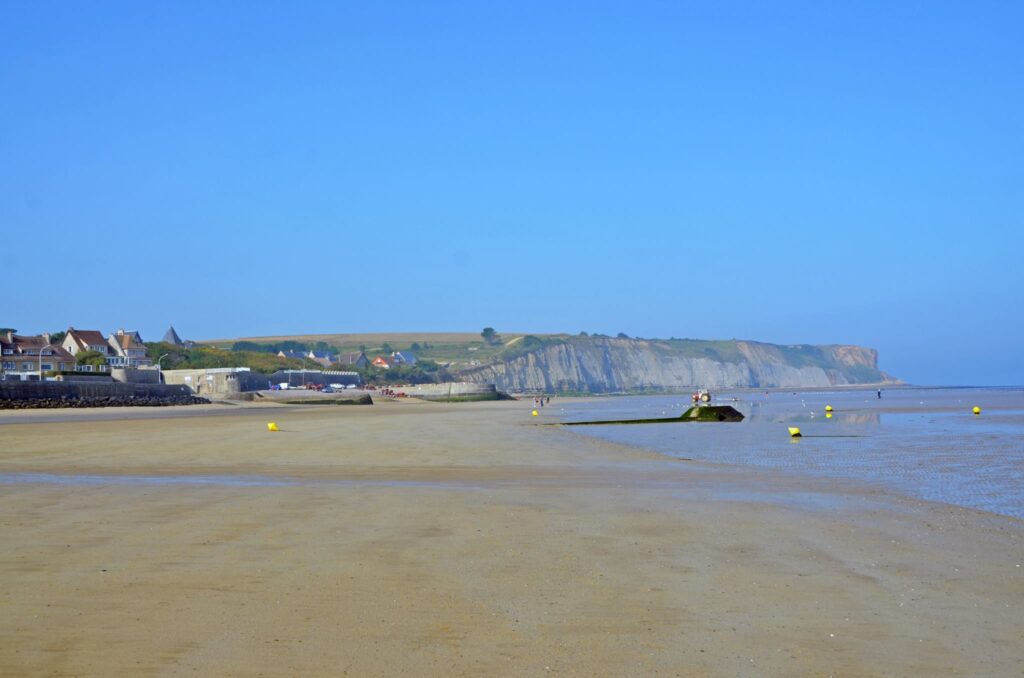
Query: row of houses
[[121, 349], [354, 359], [31, 357], [22, 357], [396, 359]]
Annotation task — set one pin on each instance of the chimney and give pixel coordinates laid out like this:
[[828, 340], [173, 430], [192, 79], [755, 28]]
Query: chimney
[[46, 338], [10, 336]]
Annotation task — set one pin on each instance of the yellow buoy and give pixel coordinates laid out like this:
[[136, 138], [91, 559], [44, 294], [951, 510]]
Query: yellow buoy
[[828, 408], [976, 410], [828, 415], [794, 432], [534, 413], [271, 426]]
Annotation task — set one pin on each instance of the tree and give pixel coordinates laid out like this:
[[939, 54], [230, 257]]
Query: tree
[[530, 341], [489, 335], [623, 335], [57, 337], [94, 358], [386, 348], [415, 347]]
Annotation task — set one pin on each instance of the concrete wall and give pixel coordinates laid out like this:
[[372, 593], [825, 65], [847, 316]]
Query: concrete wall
[[442, 391], [300, 377], [41, 390], [216, 381], [134, 375], [85, 378], [222, 381]]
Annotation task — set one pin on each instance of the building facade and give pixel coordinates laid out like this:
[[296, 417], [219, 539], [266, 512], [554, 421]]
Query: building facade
[[30, 358], [79, 341], [127, 350]]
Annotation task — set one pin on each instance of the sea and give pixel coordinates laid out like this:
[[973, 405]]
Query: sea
[[922, 442]]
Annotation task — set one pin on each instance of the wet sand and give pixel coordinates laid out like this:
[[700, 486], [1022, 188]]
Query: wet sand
[[434, 539]]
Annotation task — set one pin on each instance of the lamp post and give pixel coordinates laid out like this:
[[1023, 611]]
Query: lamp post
[[159, 374], [39, 363]]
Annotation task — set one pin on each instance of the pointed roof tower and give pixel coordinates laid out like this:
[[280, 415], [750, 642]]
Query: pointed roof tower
[[171, 337]]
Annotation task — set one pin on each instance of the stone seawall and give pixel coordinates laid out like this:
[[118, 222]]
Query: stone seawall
[[457, 391], [26, 395]]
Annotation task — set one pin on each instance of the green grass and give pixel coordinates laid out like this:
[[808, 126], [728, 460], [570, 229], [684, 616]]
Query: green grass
[[726, 351], [459, 349]]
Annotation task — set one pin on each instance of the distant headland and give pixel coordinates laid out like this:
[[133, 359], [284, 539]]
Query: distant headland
[[580, 363]]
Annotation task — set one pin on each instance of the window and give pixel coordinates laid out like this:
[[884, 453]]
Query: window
[[8, 365], [28, 367], [46, 367], [8, 351]]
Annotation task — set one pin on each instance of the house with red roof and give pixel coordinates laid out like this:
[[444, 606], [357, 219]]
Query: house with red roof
[[24, 357], [79, 341], [127, 350]]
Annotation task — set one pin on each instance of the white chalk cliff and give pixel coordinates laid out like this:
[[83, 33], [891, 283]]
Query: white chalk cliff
[[604, 364]]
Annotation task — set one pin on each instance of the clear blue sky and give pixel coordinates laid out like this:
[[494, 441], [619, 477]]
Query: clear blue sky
[[790, 172]]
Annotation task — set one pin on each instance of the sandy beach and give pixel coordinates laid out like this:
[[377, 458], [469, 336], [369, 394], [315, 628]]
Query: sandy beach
[[433, 539]]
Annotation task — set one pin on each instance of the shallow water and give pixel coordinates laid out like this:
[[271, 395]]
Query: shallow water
[[921, 442]]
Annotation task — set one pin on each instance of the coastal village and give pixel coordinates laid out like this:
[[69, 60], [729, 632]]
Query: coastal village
[[77, 351], [82, 365], [513, 362]]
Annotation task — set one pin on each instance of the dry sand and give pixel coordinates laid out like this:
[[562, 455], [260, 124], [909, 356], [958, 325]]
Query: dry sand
[[464, 539]]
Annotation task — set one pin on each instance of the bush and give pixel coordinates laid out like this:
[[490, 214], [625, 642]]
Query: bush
[[202, 357]]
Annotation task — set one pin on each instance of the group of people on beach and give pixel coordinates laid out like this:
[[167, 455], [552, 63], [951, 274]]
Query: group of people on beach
[[538, 401]]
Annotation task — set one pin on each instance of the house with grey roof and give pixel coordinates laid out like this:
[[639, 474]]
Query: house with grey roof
[[403, 358], [325, 359], [354, 359]]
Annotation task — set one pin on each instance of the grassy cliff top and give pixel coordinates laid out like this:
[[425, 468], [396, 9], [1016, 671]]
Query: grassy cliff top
[[466, 349]]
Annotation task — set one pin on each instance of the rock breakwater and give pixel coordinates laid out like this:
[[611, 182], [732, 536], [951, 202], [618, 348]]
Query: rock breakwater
[[34, 395]]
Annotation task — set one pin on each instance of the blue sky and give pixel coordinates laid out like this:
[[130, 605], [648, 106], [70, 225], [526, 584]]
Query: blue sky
[[788, 172]]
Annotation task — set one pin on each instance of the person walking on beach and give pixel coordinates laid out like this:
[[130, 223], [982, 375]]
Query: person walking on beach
[[879, 394]]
